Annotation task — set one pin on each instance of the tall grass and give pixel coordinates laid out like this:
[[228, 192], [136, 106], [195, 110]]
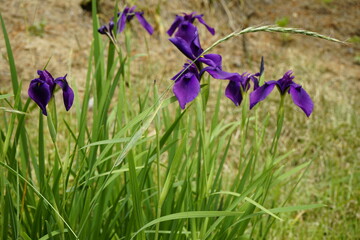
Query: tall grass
[[128, 168]]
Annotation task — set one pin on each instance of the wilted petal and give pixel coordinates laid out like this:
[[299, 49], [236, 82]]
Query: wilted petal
[[178, 20], [302, 99], [233, 92], [68, 93], [40, 92], [186, 89], [144, 23], [201, 20], [261, 93]]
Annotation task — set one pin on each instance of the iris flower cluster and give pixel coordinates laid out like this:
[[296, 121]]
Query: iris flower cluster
[[187, 81]]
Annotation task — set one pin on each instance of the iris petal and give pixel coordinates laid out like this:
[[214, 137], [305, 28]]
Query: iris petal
[[233, 92], [40, 92], [121, 22], [261, 93], [201, 20], [186, 89], [302, 99], [68, 93], [175, 25], [213, 60], [183, 46], [144, 23], [217, 73], [47, 77]]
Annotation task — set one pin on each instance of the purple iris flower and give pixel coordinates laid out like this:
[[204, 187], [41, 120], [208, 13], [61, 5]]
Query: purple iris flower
[[285, 84], [104, 29], [187, 84], [41, 90], [188, 42], [126, 16], [240, 84], [181, 22]]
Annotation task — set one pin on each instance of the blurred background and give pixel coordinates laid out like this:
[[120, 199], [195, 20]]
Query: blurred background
[[329, 72]]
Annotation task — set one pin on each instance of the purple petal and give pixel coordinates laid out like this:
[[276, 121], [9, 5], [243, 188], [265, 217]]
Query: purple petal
[[213, 60], [46, 76], [233, 92], [178, 20], [186, 89], [121, 22], [285, 82], [201, 20], [40, 92], [187, 31], [302, 99], [183, 46], [217, 73], [68, 93], [255, 81], [103, 29], [144, 23], [261, 93]]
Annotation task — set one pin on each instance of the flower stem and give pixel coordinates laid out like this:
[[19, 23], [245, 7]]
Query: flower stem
[[280, 121]]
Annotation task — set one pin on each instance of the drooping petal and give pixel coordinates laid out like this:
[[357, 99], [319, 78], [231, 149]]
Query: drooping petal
[[183, 46], [40, 92], [144, 23], [178, 20], [68, 93], [261, 93], [201, 20], [121, 22], [301, 98], [233, 92], [186, 89]]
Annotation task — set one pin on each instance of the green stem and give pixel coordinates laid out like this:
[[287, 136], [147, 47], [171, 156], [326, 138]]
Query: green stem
[[280, 121]]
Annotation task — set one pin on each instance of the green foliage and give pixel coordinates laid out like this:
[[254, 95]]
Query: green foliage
[[143, 169]]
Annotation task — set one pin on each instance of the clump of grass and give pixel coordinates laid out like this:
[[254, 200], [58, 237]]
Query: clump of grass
[[140, 169]]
